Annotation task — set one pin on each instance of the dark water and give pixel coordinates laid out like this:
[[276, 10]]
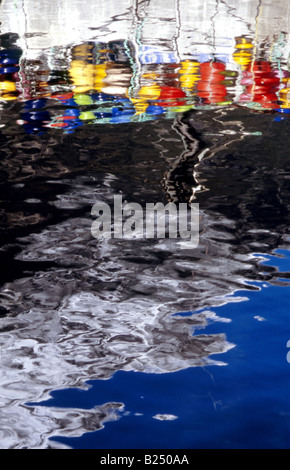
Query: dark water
[[138, 343]]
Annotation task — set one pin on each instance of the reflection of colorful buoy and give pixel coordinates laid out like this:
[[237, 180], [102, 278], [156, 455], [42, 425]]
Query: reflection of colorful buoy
[[6, 60], [59, 124], [122, 112], [7, 87], [211, 87], [87, 116], [100, 75], [243, 54], [149, 92], [261, 85], [284, 99], [62, 96], [34, 104], [171, 96], [82, 75], [33, 119], [117, 80], [181, 109], [145, 95], [69, 121], [114, 90], [83, 99], [9, 59], [154, 110], [9, 69], [35, 116], [189, 74]]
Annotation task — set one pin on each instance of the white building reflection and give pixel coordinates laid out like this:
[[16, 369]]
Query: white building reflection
[[176, 29]]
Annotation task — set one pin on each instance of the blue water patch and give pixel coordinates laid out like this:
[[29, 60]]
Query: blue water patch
[[243, 404], [279, 259]]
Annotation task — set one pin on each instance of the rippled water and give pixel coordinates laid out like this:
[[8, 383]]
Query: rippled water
[[138, 343]]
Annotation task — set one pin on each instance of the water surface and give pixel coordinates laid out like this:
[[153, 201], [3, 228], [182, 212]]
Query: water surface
[[138, 343]]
